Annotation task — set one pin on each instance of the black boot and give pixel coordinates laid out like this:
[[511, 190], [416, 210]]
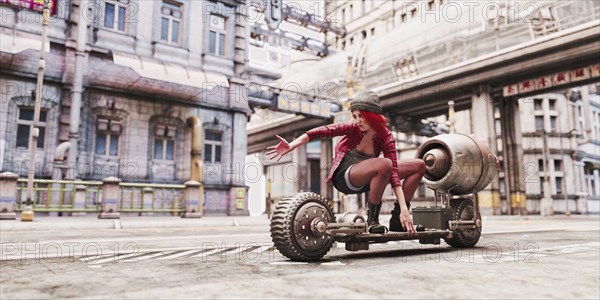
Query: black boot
[[373, 219], [396, 225]]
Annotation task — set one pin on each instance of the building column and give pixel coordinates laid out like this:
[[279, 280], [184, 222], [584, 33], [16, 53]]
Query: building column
[[513, 155], [324, 165], [300, 162], [238, 192], [580, 182], [482, 124]]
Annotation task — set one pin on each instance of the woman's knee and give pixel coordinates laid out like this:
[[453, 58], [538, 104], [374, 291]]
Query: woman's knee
[[384, 166]]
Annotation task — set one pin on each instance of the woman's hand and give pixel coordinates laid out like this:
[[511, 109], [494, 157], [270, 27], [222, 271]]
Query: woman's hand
[[406, 221], [280, 149]]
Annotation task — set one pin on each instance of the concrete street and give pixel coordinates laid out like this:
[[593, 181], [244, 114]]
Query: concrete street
[[165, 257]]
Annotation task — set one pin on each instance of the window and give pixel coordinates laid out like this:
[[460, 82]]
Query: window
[[537, 104], [107, 137], [373, 31], [164, 142], [216, 35], [24, 125], [540, 165], [539, 123], [553, 124], [114, 14], [213, 143], [542, 185], [579, 118], [170, 27], [558, 181], [557, 165], [552, 104], [343, 16], [404, 18], [364, 35]]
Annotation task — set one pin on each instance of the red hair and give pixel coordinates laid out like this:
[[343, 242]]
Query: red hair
[[376, 121]]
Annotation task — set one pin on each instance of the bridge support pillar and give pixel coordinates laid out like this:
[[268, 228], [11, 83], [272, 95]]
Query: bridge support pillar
[[514, 173], [482, 124]]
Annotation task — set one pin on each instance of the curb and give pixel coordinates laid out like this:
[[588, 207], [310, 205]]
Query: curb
[[57, 223]]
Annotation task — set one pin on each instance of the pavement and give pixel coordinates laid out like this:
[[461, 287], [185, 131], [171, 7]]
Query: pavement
[[92, 222]]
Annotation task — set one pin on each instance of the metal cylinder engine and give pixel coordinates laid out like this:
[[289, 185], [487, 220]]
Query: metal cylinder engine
[[350, 218], [457, 164]]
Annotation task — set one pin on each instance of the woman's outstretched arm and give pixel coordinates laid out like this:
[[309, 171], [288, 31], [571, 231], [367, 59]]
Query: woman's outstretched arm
[[284, 147]]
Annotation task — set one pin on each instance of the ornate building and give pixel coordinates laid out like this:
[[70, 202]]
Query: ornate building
[[161, 87]]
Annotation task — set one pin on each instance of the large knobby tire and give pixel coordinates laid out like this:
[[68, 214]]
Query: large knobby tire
[[291, 227], [463, 210]]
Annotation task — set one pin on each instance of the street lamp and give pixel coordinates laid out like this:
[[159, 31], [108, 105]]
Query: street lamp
[[34, 132]]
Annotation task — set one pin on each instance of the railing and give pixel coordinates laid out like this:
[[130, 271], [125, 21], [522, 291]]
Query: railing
[[62, 196], [136, 197], [59, 195]]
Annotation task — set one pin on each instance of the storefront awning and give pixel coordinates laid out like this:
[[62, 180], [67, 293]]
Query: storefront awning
[[18, 43], [158, 70]]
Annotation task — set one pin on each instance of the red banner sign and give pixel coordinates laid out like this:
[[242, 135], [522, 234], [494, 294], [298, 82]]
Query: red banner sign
[[36, 5], [554, 80]]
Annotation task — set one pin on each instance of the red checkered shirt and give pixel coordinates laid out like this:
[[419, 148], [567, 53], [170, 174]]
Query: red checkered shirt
[[352, 136]]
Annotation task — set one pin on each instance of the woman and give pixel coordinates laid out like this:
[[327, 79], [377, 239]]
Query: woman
[[357, 167]]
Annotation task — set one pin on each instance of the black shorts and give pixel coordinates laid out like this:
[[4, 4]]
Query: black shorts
[[341, 181]]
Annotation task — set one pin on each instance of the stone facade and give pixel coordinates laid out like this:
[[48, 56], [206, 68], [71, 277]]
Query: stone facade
[[138, 93]]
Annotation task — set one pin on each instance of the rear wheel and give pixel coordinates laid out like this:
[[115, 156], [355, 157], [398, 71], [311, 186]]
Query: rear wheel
[[466, 238], [292, 227]]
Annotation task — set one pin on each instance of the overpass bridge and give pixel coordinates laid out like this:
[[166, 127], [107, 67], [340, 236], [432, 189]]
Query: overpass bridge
[[427, 95]]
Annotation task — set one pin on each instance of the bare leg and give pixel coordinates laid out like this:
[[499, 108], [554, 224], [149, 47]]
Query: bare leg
[[411, 170], [374, 171]]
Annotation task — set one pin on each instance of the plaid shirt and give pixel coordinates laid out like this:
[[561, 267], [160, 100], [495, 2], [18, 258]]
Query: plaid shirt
[[352, 136]]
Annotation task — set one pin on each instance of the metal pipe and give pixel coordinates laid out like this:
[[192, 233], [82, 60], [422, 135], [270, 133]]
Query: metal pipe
[[196, 171], [77, 90], [27, 214], [61, 150]]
